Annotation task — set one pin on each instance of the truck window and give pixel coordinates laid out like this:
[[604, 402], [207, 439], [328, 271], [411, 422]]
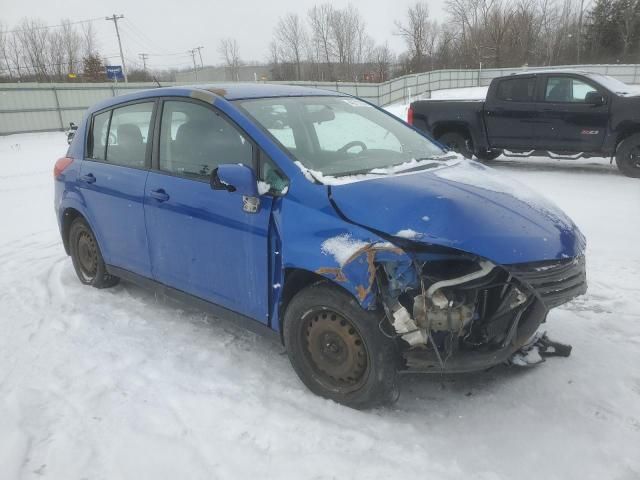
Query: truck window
[[567, 89], [516, 89]]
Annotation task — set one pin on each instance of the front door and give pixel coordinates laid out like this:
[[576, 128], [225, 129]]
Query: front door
[[510, 113], [202, 241], [111, 182], [567, 120]]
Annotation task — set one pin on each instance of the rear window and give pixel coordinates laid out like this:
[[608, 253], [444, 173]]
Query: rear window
[[516, 89]]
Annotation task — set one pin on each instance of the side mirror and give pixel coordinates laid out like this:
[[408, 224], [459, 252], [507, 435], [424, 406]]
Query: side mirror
[[234, 177], [594, 98]]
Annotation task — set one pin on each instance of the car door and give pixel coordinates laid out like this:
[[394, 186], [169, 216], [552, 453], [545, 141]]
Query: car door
[[569, 120], [111, 182], [510, 113], [203, 241]]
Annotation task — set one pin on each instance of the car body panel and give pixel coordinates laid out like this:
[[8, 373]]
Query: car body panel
[[468, 207], [199, 232]]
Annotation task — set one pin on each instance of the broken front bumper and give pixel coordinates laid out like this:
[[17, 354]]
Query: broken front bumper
[[549, 284]]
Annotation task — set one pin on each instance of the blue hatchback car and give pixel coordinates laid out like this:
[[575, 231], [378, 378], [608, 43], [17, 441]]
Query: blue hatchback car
[[368, 248]]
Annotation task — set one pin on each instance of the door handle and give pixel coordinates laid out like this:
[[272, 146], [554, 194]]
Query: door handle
[[159, 195], [88, 178]]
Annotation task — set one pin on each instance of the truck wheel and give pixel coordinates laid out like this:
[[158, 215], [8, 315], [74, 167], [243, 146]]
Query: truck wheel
[[457, 142], [628, 156], [488, 155], [86, 257], [338, 350]]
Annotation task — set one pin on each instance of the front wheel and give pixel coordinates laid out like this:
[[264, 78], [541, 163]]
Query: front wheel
[[628, 156], [86, 257], [457, 142], [338, 350]]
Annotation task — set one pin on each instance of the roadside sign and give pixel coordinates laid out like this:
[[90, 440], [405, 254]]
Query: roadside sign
[[114, 72]]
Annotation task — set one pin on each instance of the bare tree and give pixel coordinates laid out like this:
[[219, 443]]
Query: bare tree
[[4, 51], [89, 39], [230, 53], [382, 58], [33, 37], [71, 41], [320, 18], [420, 35], [291, 38]]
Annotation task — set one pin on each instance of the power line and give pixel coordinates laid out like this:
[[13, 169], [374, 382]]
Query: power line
[[43, 27]]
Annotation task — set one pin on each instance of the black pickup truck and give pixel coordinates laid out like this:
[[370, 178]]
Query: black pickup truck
[[556, 113]]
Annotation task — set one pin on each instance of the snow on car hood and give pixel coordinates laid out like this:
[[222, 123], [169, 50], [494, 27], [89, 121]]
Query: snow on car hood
[[466, 206]]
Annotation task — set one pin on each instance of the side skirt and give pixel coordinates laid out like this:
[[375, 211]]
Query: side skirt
[[245, 322]]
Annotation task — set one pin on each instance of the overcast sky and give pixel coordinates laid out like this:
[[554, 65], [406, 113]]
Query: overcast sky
[[158, 27]]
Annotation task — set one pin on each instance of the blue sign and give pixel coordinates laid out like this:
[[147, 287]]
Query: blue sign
[[114, 72]]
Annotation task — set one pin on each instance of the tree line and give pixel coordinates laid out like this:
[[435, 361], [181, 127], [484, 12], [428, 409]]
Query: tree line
[[333, 44]]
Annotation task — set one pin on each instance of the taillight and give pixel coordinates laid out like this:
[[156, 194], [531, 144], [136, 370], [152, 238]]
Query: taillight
[[61, 165], [410, 116]]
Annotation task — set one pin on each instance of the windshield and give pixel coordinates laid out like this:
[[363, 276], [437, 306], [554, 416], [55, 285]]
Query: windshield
[[339, 136], [613, 84]]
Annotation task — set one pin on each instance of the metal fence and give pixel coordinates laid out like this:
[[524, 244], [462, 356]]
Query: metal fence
[[34, 107]]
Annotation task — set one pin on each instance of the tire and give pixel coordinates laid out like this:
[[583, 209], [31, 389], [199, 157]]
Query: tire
[[86, 257], [458, 143], [628, 156], [488, 155], [338, 350]]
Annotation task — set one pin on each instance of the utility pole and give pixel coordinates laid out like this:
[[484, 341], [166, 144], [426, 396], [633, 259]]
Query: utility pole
[[144, 57], [193, 57], [115, 19], [200, 53]]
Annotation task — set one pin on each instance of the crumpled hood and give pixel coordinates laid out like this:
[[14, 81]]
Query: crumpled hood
[[465, 206]]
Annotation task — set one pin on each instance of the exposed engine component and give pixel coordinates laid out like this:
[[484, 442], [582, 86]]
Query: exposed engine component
[[439, 314]]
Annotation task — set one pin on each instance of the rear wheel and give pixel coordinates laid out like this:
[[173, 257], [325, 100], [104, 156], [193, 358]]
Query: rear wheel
[[457, 142], [86, 257], [337, 348], [628, 156]]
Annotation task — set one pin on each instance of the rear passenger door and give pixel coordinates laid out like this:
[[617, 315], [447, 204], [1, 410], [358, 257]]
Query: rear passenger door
[[112, 179], [202, 241], [510, 113]]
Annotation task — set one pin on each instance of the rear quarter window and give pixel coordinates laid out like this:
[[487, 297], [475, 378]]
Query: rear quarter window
[[516, 89]]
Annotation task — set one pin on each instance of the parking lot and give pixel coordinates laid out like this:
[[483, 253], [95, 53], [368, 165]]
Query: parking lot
[[118, 383]]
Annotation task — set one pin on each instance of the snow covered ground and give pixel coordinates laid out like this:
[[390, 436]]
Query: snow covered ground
[[110, 384]]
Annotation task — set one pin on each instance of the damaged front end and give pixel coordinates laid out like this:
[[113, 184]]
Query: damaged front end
[[453, 312]]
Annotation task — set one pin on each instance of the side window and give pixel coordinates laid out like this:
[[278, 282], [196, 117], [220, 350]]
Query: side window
[[567, 89], [270, 178], [194, 140], [97, 144], [128, 134], [516, 89]]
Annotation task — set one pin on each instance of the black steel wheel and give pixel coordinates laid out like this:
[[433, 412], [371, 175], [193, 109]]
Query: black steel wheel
[[334, 349], [457, 142], [337, 348], [86, 257], [628, 156]]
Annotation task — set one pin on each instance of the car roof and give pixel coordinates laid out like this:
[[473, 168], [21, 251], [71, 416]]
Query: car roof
[[228, 91], [544, 71]]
